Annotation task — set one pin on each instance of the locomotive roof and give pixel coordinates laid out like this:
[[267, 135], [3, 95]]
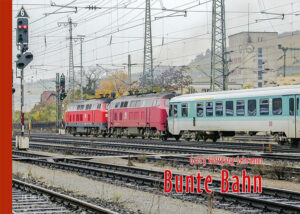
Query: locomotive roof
[[268, 91], [92, 101], [166, 95]]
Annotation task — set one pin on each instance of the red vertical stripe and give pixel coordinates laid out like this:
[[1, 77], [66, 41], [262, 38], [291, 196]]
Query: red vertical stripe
[[6, 106]]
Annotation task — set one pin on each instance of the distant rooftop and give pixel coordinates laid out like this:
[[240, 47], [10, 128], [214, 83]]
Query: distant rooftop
[[251, 32]]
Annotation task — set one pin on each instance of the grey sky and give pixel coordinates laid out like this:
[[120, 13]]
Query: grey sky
[[182, 37]]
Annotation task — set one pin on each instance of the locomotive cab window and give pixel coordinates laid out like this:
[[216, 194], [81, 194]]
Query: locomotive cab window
[[264, 106], [277, 106], [292, 106], [199, 109], [251, 107], [167, 102], [240, 108], [229, 108], [209, 109], [184, 110], [219, 109]]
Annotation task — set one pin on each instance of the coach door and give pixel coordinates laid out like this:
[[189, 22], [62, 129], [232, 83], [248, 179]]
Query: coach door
[[297, 128]]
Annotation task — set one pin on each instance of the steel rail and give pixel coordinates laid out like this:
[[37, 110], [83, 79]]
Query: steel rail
[[88, 206]]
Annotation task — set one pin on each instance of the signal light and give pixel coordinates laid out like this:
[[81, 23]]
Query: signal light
[[25, 26], [20, 26]]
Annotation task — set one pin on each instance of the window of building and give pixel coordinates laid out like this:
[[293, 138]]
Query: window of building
[[209, 109], [199, 109], [264, 106], [240, 108], [219, 109], [259, 84], [259, 75], [251, 107], [184, 110], [229, 108], [259, 64], [259, 52], [292, 106], [277, 106]]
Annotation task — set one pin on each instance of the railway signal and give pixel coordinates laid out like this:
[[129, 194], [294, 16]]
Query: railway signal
[[62, 85], [24, 59], [22, 34]]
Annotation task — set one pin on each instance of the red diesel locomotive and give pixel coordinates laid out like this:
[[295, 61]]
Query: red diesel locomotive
[[87, 117], [142, 115]]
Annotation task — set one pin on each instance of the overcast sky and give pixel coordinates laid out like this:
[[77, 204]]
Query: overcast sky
[[113, 33]]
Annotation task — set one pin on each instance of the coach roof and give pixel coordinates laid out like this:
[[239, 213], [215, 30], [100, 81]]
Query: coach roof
[[268, 91]]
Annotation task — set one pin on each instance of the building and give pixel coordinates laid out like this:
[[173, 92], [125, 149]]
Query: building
[[253, 58], [49, 97]]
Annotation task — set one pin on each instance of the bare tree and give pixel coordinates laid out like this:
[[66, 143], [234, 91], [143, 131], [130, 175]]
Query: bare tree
[[93, 76], [173, 79]]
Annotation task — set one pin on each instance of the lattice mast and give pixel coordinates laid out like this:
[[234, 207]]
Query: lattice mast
[[147, 79], [219, 63]]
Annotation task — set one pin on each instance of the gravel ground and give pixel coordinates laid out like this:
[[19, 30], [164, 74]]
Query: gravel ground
[[133, 200]]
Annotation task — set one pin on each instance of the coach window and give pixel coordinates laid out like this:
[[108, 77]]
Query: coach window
[[78, 107], [251, 107], [126, 104], [138, 103], [298, 106], [229, 108], [184, 110], [200, 109], [81, 107], [219, 109], [264, 106], [122, 105], [117, 105], [240, 108], [99, 106], [292, 106], [171, 111], [277, 106], [209, 109], [175, 111]]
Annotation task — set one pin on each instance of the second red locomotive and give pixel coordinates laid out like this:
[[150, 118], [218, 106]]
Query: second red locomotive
[[142, 115]]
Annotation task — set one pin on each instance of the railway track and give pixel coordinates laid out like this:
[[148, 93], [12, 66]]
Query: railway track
[[247, 145], [270, 200], [112, 148], [30, 198]]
